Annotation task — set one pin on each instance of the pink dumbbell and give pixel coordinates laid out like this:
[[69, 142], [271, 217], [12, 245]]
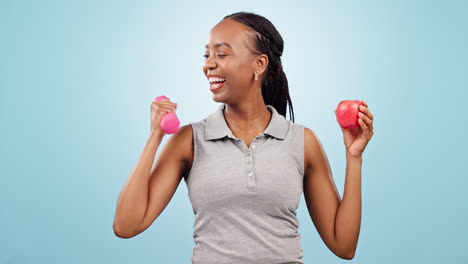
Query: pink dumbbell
[[169, 122]]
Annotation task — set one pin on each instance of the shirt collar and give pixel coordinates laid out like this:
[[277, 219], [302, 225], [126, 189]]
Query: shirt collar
[[216, 126]]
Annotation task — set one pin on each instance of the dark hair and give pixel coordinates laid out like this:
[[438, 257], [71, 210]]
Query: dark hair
[[275, 89]]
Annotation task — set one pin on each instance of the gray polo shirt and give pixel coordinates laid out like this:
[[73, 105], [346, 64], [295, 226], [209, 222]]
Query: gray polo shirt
[[245, 198]]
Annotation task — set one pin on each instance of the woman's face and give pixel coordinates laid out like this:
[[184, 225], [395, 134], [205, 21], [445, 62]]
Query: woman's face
[[228, 57]]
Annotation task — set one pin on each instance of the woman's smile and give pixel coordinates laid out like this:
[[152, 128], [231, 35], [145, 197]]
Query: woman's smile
[[216, 82]]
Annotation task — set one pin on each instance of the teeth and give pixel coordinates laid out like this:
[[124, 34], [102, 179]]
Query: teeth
[[215, 79]]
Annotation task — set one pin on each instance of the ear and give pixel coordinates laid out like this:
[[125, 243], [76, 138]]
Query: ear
[[261, 64]]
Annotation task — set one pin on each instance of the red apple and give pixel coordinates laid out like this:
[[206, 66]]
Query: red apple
[[347, 113]]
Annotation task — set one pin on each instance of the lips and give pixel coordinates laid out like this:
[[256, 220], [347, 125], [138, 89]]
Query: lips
[[216, 82], [214, 86]]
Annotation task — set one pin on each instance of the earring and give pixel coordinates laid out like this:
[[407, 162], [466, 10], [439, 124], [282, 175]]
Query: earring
[[256, 76]]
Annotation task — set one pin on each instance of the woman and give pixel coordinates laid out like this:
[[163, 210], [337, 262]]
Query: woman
[[245, 165]]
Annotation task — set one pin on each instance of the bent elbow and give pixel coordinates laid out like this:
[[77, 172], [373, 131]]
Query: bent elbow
[[348, 256], [118, 232], [344, 253]]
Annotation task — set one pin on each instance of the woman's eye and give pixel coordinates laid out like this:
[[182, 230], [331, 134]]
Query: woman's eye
[[220, 55]]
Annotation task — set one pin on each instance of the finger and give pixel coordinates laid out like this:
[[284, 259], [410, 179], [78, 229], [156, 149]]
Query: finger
[[363, 109], [370, 115], [366, 119], [366, 111], [370, 129], [367, 108], [164, 105], [168, 109], [364, 127], [161, 109], [167, 104]]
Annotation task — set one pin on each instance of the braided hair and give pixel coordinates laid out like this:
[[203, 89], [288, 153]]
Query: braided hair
[[268, 41]]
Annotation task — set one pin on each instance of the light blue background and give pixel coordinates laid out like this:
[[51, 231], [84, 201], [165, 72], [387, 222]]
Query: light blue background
[[78, 77]]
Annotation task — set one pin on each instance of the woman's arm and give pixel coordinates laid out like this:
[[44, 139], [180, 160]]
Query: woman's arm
[[133, 198], [348, 217], [337, 221], [148, 190]]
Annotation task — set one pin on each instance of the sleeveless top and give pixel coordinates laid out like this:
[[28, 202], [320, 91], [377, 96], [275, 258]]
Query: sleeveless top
[[245, 198]]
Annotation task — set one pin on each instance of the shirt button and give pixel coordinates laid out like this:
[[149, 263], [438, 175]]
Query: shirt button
[[250, 174], [253, 146]]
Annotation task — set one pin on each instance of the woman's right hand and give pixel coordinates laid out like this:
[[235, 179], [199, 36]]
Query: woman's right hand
[[158, 110]]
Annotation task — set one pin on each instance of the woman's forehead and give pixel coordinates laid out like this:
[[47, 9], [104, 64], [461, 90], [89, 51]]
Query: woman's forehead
[[228, 32]]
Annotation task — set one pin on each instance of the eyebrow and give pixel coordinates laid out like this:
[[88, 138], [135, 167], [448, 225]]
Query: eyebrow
[[220, 44]]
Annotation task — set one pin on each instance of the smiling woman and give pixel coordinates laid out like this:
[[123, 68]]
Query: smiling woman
[[247, 43], [246, 177], [245, 165]]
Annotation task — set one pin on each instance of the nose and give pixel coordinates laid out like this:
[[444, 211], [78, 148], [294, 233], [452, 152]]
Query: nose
[[209, 64]]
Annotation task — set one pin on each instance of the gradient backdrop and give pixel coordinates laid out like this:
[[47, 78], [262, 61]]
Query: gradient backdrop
[[77, 79]]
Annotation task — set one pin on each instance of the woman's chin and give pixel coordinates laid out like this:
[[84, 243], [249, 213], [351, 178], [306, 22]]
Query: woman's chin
[[217, 98]]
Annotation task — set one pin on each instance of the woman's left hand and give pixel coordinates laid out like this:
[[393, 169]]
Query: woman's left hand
[[356, 138]]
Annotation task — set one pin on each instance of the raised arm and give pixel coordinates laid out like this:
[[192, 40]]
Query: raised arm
[[337, 221], [151, 185], [170, 167], [146, 194]]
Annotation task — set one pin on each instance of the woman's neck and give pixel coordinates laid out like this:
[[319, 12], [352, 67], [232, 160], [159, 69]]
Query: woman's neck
[[247, 118]]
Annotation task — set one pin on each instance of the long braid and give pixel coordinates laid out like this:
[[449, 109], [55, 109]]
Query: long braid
[[275, 89]]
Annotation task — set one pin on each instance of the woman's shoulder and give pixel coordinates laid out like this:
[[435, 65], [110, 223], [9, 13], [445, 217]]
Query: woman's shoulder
[[297, 128], [184, 135], [198, 126], [300, 127], [307, 134]]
